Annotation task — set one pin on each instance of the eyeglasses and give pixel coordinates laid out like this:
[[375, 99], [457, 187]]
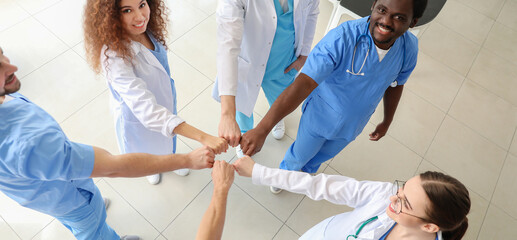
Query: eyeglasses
[[397, 185]]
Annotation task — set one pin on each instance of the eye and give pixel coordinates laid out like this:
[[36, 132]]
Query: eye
[[127, 10], [142, 5], [381, 10], [400, 18]]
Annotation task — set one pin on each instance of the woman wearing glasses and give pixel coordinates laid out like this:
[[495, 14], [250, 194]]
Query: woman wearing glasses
[[428, 206]]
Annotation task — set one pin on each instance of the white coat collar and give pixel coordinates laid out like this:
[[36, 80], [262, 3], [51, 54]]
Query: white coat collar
[[386, 224], [147, 55]]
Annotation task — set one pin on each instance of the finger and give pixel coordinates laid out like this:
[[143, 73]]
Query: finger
[[251, 150]]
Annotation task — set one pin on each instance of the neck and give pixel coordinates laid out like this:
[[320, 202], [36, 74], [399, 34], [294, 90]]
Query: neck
[[2, 98], [405, 233]]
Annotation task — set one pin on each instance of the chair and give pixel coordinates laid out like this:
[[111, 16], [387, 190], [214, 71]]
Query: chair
[[360, 8]]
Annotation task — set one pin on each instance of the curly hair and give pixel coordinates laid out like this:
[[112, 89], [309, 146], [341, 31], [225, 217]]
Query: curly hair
[[103, 27]]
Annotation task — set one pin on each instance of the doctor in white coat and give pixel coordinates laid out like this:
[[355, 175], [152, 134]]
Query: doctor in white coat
[[260, 44], [143, 94], [429, 206]]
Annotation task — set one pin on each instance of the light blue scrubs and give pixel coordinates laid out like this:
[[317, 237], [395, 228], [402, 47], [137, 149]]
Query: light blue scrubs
[[41, 169], [161, 55], [280, 57], [339, 108]]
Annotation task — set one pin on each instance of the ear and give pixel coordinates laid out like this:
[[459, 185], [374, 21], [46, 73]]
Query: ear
[[413, 22], [430, 228]]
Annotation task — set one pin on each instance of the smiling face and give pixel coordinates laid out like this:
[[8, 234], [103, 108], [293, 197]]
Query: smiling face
[[134, 16], [389, 20], [9, 83], [414, 202]]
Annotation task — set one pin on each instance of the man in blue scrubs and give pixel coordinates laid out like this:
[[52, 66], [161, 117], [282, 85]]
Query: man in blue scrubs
[[41, 169], [346, 75]]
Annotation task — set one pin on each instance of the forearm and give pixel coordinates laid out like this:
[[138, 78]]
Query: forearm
[[391, 101], [228, 106], [288, 101], [212, 224], [135, 164], [187, 130]]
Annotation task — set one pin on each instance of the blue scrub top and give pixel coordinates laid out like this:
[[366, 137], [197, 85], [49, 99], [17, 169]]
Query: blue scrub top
[[39, 167], [353, 99]]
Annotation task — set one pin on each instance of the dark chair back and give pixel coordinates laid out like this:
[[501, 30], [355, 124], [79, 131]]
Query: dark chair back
[[363, 8]]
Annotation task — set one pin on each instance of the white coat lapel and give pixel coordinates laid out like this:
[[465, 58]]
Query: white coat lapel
[[148, 56]]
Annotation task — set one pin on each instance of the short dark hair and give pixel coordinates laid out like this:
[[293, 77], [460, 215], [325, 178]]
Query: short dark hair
[[419, 8]]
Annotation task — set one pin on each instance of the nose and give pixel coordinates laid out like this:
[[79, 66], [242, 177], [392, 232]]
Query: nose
[[386, 21], [139, 16], [393, 198], [10, 69]]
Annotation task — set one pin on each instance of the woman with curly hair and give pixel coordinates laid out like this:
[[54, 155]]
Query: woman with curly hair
[[125, 39]]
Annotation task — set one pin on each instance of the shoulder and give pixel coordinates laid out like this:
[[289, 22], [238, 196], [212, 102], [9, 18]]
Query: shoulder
[[410, 42]]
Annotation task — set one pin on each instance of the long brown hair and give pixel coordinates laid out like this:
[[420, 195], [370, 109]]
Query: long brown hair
[[103, 27], [450, 204]]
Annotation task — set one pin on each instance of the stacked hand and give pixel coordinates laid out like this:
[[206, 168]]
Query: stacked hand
[[200, 158], [229, 130], [222, 176], [217, 144]]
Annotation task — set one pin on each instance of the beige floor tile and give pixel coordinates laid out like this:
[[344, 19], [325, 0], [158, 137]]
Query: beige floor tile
[[310, 212], [182, 17], [434, 82], [244, 217], [501, 40], [24, 221], [123, 218], [93, 125], [513, 148], [199, 47], [11, 14], [472, 24], [506, 191], [79, 49], [507, 15], [286, 233], [427, 166], [208, 6], [64, 20], [325, 8], [498, 225], [486, 113], [489, 8], [464, 154], [495, 74], [283, 204], [81, 85], [161, 238], [188, 81], [55, 230], [164, 201], [449, 47], [415, 123], [34, 6], [384, 160], [26, 51], [6, 231]]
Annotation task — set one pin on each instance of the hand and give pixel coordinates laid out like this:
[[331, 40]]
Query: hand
[[222, 175], [229, 130], [298, 64], [244, 166], [200, 158], [217, 144], [252, 141], [379, 132]]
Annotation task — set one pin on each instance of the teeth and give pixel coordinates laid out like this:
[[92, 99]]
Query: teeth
[[139, 25], [383, 29]]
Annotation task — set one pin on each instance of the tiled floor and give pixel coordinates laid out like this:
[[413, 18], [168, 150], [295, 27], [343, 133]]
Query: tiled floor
[[457, 115]]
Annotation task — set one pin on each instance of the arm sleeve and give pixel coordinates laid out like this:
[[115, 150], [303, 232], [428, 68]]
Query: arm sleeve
[[51, 156], [310, 27], [325, 56], [333, 188], [230, 28], [142, 102], [410, 59]]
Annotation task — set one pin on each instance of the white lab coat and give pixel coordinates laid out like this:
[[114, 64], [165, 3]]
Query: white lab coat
[[367, 197], [141, 101], [245, 33]]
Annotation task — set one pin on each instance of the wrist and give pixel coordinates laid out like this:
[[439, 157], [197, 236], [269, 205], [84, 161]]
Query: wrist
[[185, 160], [221, 191]]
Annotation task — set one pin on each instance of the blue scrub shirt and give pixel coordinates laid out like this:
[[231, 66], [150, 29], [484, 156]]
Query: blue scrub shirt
[[39, 167], [353, 99]]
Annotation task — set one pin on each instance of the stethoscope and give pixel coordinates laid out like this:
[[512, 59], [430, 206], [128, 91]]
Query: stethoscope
[[369, 44], [361, 227]]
